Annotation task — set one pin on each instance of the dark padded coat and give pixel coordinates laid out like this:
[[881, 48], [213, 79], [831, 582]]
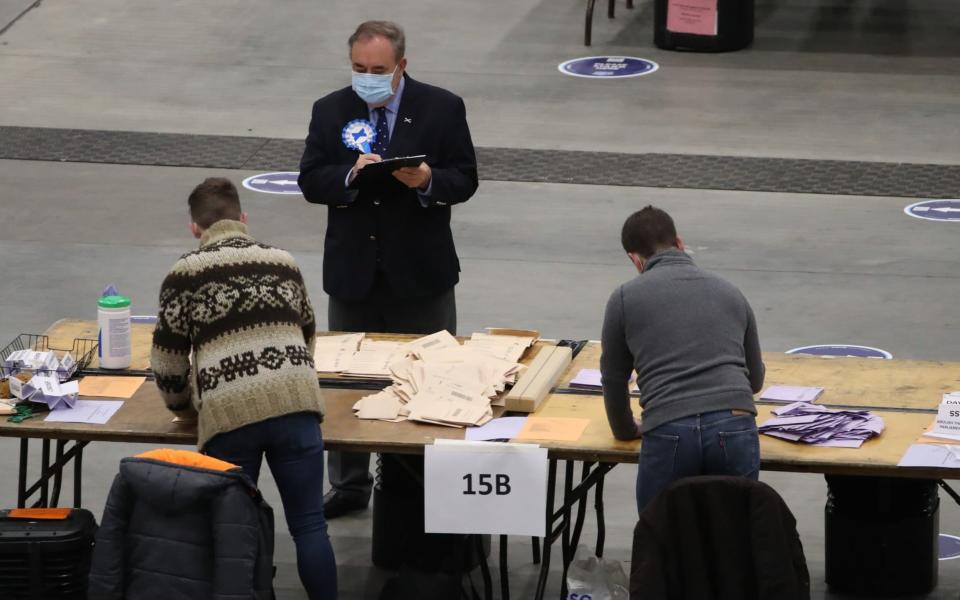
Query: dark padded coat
[[715, 537], [173, 532]]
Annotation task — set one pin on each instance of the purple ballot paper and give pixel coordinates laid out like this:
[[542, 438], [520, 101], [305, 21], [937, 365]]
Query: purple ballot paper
[[820, 426], [791, 393]]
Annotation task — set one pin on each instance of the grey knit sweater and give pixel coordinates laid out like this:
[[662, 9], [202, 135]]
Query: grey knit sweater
[[242, 309], [692, 338]]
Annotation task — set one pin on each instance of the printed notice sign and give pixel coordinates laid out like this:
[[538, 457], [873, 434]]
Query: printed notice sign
[[698, 17], [485, 487], [948, 415]]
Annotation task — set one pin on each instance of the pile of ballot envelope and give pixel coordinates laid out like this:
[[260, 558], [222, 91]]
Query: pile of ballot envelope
[[435, 379], [820, 426], [47, 383]]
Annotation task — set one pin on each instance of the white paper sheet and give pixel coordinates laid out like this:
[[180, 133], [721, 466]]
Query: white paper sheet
[[96, 412]]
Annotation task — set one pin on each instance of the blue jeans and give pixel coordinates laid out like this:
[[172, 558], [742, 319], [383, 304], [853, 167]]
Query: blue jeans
[[715, 443], [294, 448]]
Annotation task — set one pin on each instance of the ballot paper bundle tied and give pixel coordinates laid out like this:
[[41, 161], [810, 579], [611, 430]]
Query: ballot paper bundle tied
[[40, 376], [40, 362], [438, 380], [46, 389], [820, 426]]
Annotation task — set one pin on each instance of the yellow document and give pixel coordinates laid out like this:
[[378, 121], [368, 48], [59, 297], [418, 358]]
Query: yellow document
[[110, 387], [558, 429]]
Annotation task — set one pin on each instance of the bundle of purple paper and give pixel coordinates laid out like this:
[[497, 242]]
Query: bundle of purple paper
[[820, 426]]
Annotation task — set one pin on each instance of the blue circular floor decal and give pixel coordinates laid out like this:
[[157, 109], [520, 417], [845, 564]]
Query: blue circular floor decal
[[283, 182], [838, 350], [949, 547], [935, 210], [608, 67]]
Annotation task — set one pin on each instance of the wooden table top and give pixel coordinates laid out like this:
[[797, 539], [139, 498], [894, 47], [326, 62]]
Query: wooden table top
[[862, 382], [896, 388]]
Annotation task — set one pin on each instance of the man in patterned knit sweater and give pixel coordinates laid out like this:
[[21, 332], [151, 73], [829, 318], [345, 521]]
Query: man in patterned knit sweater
[[241, 309]]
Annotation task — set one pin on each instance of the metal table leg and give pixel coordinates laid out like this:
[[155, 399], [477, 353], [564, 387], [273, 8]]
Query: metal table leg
[[48, 471], [566, 551], [58, 475], [78, 473], [22, 477], [504, 571], [545, 561], [484, 569], [588, 25], [598, 508], [581, 508], [44, 474]]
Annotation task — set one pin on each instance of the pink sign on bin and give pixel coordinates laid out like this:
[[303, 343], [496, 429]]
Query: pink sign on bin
[[698, 17]]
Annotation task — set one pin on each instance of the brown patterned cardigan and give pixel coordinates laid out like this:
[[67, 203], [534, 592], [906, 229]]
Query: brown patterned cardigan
[[242, 309]]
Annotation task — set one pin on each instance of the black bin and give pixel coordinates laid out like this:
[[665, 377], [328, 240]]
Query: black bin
[[881, 535], [398, 537], [46, 558], [703, 25]]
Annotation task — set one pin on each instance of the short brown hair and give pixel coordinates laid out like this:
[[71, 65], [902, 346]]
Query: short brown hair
[[213, 200], [386, 29], [647, 231]]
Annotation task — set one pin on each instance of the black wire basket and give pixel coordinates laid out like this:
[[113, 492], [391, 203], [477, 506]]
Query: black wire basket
[[83, 351]]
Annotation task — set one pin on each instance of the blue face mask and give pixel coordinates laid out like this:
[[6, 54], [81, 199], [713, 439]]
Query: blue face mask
[[373, 88]]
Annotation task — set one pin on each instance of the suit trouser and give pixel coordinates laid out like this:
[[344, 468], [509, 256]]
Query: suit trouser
[[350, 471]]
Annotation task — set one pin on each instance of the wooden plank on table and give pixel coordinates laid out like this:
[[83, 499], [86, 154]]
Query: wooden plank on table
[[867, 382]]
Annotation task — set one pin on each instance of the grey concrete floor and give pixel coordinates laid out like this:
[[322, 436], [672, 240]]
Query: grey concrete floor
[[828, 79]]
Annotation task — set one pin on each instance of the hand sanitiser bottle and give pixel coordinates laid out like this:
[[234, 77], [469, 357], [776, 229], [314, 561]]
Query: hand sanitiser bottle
[[113, 316]]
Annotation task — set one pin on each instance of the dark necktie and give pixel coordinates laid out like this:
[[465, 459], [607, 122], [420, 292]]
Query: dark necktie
[[383, 132]]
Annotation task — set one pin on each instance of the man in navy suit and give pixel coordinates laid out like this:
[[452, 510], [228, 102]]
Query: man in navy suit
[[389, 262]]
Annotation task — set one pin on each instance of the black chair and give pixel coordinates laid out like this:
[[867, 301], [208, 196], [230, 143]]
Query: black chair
[[588, 26], [718, 537]]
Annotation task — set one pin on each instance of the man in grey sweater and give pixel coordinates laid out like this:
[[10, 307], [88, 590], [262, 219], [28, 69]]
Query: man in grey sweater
[[692, 339]]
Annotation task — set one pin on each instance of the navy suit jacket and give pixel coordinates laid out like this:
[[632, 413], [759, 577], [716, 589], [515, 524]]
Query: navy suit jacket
[[385, 225]]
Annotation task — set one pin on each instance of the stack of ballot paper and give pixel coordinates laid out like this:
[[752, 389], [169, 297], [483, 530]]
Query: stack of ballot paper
[[589, 379], [505, 347], [334, 353], [437, 380], [40, 361], [791, 393], [373, 359], [47, 389], [354, 355], [821, 426]]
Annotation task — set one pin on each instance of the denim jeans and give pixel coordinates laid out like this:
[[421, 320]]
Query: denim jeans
[[715, 443], [293, 445]]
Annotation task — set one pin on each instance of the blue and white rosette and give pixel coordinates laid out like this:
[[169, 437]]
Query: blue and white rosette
[[359, 135]]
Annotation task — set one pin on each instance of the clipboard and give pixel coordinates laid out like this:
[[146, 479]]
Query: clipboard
[[378, 171]]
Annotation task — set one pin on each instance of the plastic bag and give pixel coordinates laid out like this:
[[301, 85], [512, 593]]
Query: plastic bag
[[592, 578]]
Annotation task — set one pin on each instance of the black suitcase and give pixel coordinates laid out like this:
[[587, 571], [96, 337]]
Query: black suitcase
[[45, 553], [881, 535]]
